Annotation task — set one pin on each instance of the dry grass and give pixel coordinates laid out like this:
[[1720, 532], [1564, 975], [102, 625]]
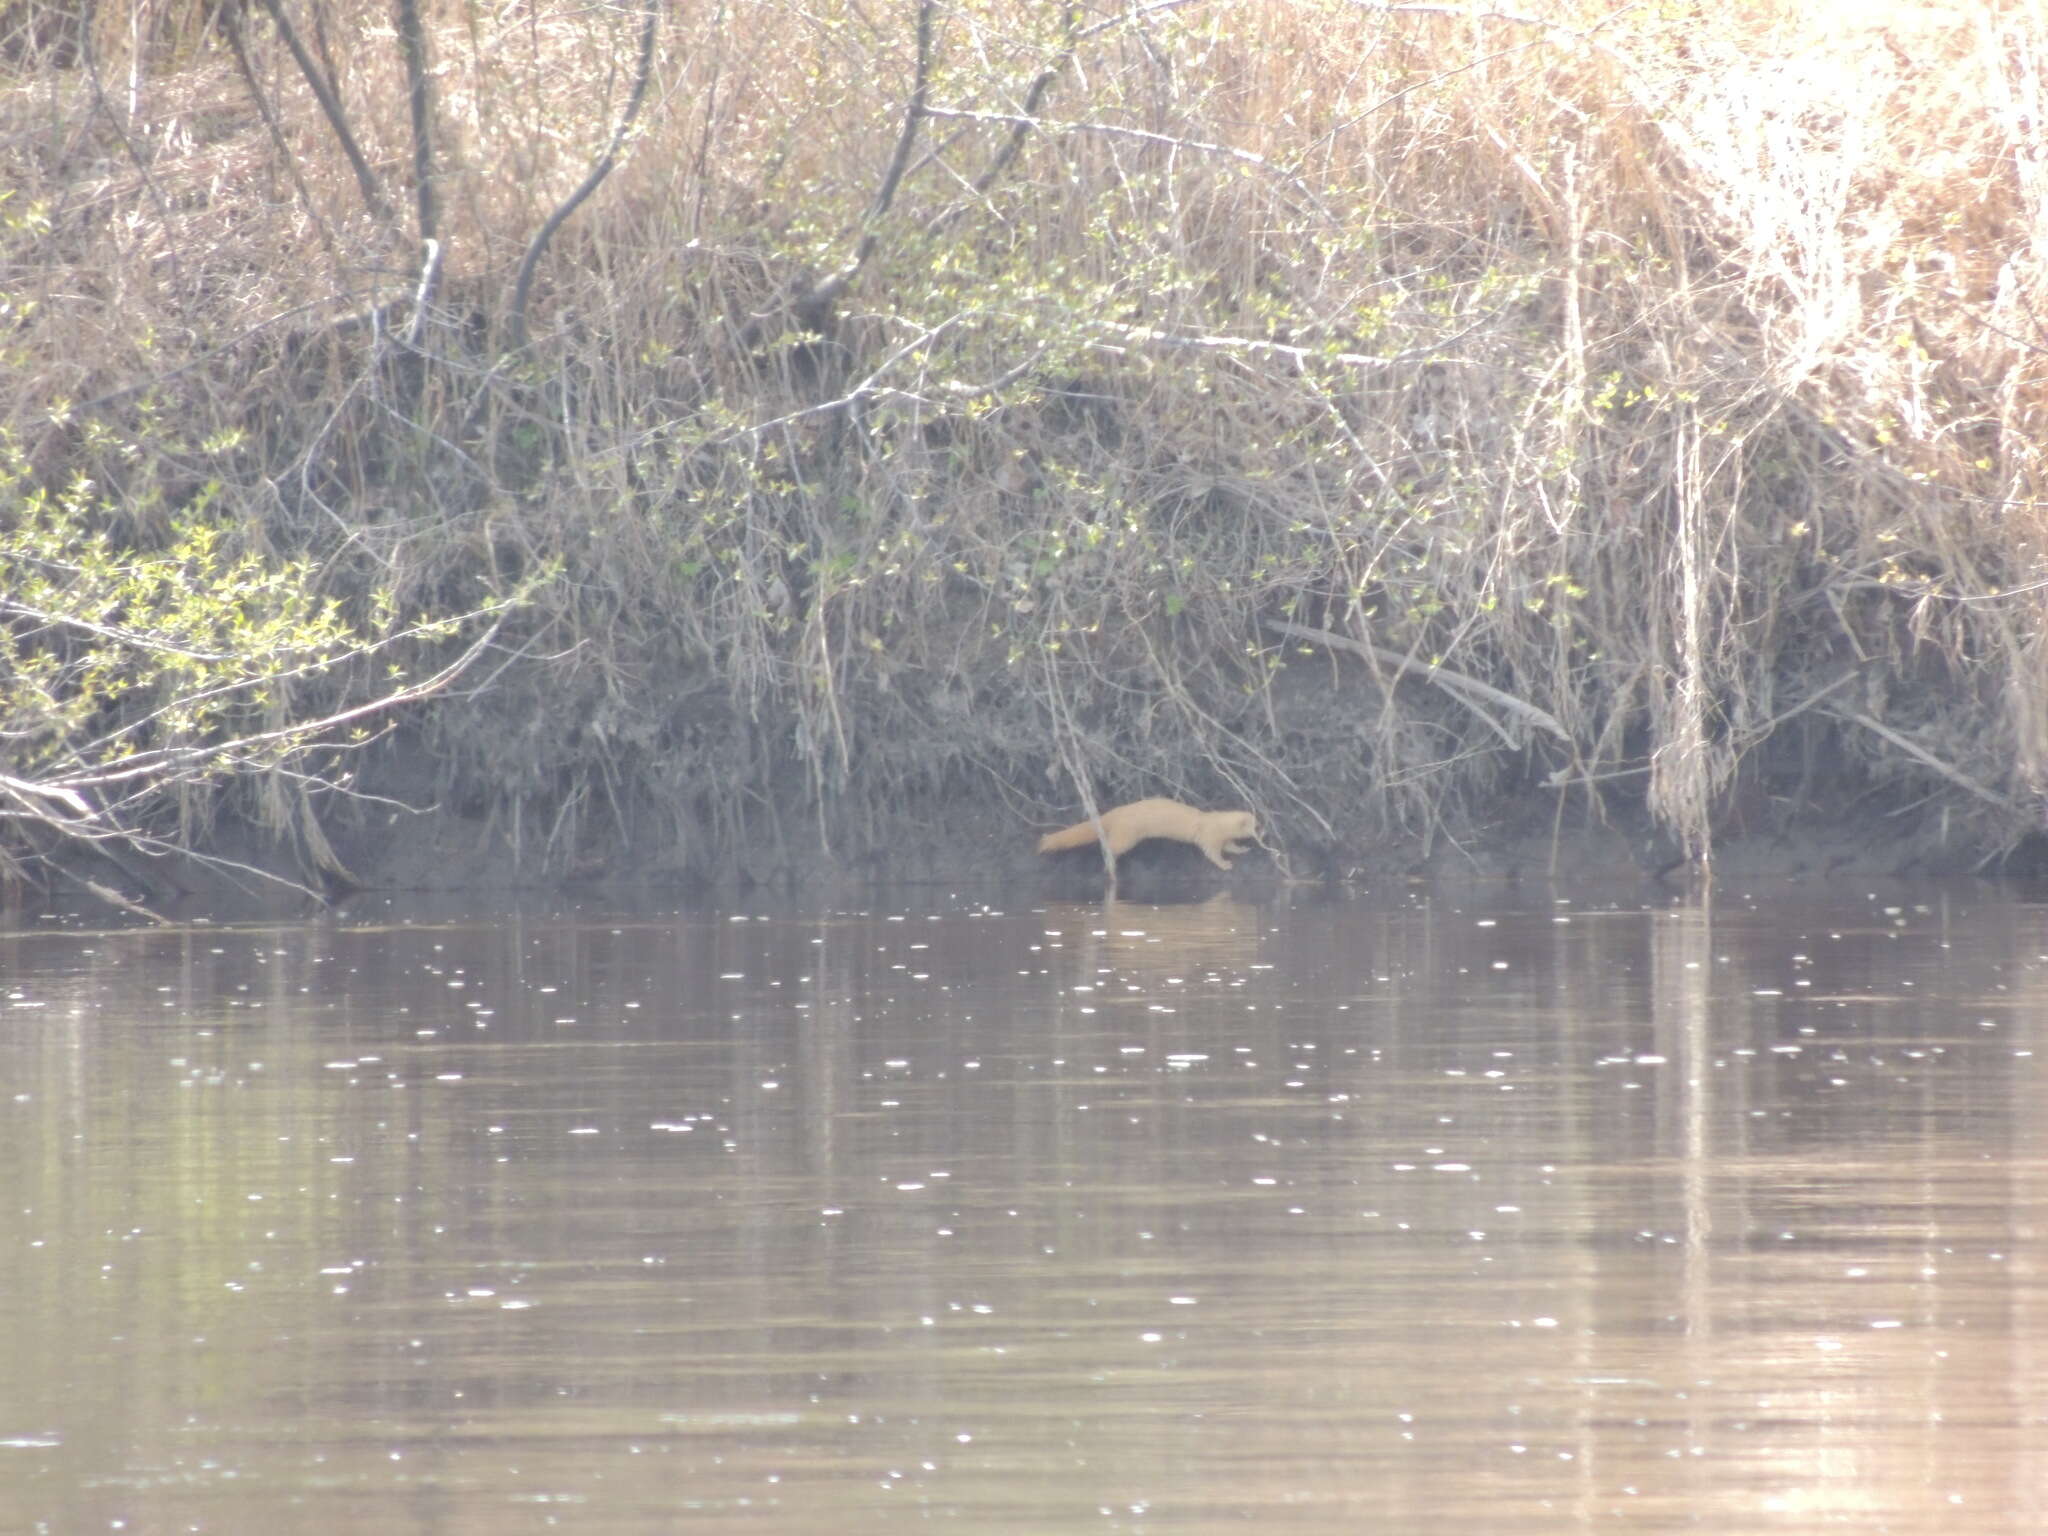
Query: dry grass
[[1679, 373]]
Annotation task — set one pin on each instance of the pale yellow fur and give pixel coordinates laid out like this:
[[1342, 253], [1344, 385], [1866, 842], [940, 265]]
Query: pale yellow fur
[[1214, 832]]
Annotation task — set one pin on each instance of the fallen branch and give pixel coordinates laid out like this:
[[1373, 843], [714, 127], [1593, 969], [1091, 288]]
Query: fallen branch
[[1920, 754], [114, 898], [1468, 691]]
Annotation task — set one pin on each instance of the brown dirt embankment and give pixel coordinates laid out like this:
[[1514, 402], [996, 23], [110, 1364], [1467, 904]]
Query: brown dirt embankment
[[1538, 835]]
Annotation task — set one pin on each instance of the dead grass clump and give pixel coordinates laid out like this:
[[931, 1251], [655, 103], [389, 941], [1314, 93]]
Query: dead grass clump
[[1364, 411]]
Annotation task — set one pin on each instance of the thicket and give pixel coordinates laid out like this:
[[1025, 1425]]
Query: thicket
[[1361, 411], [138, 683]]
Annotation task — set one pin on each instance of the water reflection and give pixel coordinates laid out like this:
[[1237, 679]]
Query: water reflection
[[1445, 1214]]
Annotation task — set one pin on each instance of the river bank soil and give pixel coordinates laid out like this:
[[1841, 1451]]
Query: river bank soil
[[979, 842]]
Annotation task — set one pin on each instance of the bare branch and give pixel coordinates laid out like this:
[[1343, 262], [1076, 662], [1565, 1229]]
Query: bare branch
[[145, 765], [814, 304], [142, 641], [643, 70], [1023, 123], [330, 107], [1145, 335], [231, 24]]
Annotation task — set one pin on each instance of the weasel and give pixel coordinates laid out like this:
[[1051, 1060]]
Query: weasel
[[1214, 832]]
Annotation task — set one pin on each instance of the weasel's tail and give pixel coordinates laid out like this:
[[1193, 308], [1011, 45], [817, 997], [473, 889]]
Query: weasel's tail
[[1080, 835]]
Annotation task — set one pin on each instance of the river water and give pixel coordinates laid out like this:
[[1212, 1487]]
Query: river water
[[1450, 1213]]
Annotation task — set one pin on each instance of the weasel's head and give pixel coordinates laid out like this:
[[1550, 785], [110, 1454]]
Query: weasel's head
[[1243, 824]]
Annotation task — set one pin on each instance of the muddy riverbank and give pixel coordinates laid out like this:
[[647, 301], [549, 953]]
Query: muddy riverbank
[[984, 842]]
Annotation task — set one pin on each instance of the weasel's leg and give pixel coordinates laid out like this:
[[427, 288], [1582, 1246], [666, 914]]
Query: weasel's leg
[[1215, 853]]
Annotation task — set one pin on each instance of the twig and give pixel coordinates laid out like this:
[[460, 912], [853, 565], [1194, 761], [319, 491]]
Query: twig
[[28, 790], [1136, 13], [1513, 18], [139, 639], [1023, 122], [105, 839], [1146, 335], [1806, 703]]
